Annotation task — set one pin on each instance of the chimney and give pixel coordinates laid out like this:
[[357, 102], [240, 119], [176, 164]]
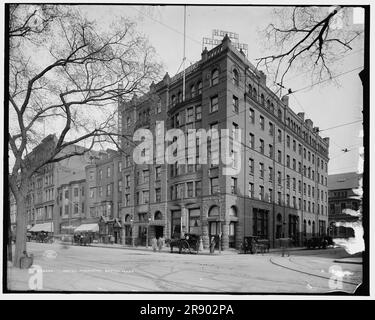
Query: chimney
[[263, 77], [316, 129], [309, 123], [166, 78], [301, 115], [285, 100]]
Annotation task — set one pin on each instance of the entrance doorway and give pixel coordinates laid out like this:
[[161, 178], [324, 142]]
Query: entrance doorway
[[214, 230], [159, 232]]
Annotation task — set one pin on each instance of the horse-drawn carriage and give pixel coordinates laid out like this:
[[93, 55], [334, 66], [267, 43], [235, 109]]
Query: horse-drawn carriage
[[254, 244], [82, 239], [188, 244]]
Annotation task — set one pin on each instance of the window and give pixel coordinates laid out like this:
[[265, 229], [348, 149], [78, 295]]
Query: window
[[279, 198], [235, 104], [251, 166], [288, 161], [270, 198], [279, 178], [251, 190], [146, 196], [261, 122], [279, 114], [261, 170], [233, 185], [271, 129], [100, 191], [189, 115], [190, 191], [288, 141], [294, 145], [119, 185], [279, 135], [146, 176], [192, 91], [158, 107], [76, 192], [108, 172], [108, 190], [262, 99], [294, 184], [288, 181], [260, 223], [235, 77], [270, 151], [214, 185], [294, 164], [158, 195], [157, 173], [279, 156], [252, 115], [261, 193], [214, 105], [100, 174], [200, 87], [66, 194], [198, 188], [288, 200], [215, 77], [261, 146], [127, 181], [251, 144], [92, 190], [119, 166], [198, 112], [270, 169]]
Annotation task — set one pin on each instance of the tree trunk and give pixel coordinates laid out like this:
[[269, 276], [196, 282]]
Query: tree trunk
[[21, 229], [9, 244]]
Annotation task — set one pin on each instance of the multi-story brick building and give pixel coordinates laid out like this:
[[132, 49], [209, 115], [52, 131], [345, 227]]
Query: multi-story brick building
[[42, 202], [281, 187], [103, 196], [342, 198]]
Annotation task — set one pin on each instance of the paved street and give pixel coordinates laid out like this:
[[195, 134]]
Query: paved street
[[75, 268]]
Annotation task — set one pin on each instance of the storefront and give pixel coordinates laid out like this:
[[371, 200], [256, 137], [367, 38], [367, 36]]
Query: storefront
[[110, 230]]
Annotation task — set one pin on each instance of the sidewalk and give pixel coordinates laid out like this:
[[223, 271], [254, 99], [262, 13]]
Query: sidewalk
[[229, 251]]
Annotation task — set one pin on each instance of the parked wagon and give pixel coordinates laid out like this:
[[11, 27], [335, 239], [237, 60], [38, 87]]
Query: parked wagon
[[253, 244], [188, 244]]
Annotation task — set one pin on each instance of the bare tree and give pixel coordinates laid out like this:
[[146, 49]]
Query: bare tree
[[68, 72], [309, 39]]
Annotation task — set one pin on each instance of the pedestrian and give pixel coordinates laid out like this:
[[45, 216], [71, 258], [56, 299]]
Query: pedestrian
[[154, 244], [212, 245], [160, 243]]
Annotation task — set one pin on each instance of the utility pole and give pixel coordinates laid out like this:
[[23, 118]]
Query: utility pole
[[184, 57]]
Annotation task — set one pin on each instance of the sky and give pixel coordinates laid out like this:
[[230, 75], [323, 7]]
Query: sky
[[327, 104]]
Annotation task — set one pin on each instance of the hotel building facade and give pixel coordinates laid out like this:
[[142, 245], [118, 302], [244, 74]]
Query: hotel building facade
[[280, 189]]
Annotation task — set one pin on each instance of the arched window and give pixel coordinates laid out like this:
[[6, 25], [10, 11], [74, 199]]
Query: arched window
[[215, 77], [279, 114], [179, 96], [250, 89], [272, 107], [262, 99], [174, 101], [255, 94], [214, 211], [268, 103], [233, 211], [236, 79], [200, 87], [313, 228], [304, 227], [158, 215], [128, 218], [192, 91]]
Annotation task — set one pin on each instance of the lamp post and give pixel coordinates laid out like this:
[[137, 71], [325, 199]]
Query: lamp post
[[131, 230], [148, 225]]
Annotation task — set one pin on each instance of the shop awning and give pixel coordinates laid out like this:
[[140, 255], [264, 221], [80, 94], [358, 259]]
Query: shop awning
[[88, 227], [46, 227]]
